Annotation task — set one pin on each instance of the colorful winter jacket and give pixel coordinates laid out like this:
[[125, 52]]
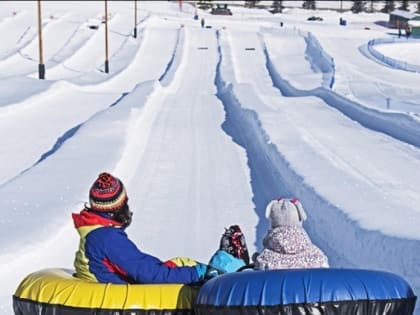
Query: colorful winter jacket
[[106, 255], [289, 246]]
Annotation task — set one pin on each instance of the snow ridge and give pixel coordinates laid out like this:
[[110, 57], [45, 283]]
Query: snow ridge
[[272, 175], [394, 124]]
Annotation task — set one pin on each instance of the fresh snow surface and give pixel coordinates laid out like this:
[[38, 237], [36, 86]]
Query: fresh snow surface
[[205, 126]]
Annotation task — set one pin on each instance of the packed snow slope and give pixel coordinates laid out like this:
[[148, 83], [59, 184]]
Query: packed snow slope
[[205, 126]]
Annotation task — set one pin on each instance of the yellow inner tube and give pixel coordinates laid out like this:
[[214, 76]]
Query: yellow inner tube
[[58, 287]]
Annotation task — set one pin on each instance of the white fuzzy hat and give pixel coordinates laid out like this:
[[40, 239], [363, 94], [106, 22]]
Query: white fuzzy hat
[[284, 211]]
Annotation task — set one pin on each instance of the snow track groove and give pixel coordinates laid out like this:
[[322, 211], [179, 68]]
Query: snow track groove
[[58, 94], [400, 126], [249, 122]]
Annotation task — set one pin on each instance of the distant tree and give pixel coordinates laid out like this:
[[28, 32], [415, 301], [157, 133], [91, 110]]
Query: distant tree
[[404, 5], [251, 3], [418, 6], [358, 6], [309, 4], [277, 6], [204, 5], [371, 7], [389, 6]]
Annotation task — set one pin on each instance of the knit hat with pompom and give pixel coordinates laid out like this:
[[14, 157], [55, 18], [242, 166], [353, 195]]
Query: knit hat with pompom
[[107, 194], [285, 211]]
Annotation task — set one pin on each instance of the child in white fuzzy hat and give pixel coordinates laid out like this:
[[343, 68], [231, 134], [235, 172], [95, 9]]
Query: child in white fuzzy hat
[[287, 245]]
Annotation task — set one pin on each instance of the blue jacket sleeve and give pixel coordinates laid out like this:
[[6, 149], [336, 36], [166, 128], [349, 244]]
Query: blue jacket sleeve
[[141, 267]]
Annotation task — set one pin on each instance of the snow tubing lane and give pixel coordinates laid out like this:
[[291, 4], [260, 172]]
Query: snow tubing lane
[[306, 291], [57, 292]]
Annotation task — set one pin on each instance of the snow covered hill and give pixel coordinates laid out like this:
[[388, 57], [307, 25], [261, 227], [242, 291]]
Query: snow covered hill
[[205, 126]]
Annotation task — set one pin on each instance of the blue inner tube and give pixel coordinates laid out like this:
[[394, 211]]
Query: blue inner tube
[[306, 291]]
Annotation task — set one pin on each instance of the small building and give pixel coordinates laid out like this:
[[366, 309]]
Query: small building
[[415, 26], [221, 9], [399, 18]]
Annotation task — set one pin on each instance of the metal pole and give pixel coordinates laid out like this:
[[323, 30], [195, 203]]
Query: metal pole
[[195, 11], [106, 38], [41, 66], [135, 18]]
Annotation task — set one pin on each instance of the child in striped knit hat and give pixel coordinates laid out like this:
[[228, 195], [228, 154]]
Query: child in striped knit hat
[[107, 255], [286, 244]]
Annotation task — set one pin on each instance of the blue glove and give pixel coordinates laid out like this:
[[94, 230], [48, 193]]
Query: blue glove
[[225, 262], [211, 272], [201, 270]]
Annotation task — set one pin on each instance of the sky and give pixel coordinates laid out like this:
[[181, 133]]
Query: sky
[[205, 126]]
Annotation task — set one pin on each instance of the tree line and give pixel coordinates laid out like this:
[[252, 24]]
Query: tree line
[[357, 5]]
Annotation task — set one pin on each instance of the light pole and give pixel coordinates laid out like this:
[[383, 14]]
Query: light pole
[[41, 66], [135, 18], [195, 11], [106, 38]]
